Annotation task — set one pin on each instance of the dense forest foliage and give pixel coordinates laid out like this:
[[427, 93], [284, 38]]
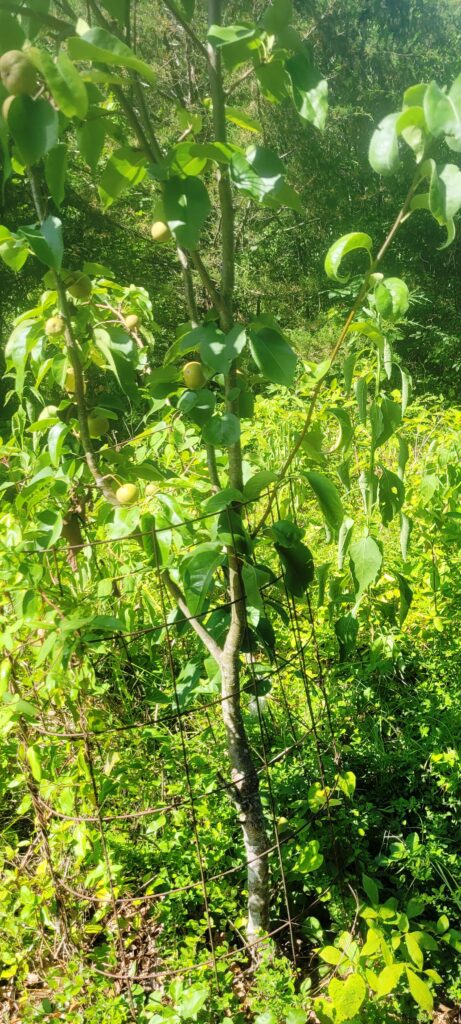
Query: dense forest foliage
[[230, 511]]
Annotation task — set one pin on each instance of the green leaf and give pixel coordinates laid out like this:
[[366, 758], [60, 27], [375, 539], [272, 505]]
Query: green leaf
[[242, 120], [414, 950], [11, 34], [187, 207], [257, 483], [340, 248], [18, 346], [347, 783], [219, 350], [309, 858], [405, 531], [344, 539], [33, 757], [64, 82], [365, 558], [383, 153], [371, 889], [90, 140], [55, 171], [222, 500], [192, 1001], [274, 81], [46, 241], [13, 249], [226, 35], [331, 955], [310, 91], [441, 112], [273, 355], [421, 992], [261, 174], [198, 405], [385, 418], [102, 47], [445, 192], [34, 127], [391, 495], [298, 567], [346, 629], [222, 431], [197, 571], [347, 996], [125, 169], [392, 297], [277, 16], [328, 497], [388, 979]]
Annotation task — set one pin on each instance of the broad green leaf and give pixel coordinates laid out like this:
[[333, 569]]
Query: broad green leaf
[[225, 35], [242, 120], [34, 127], [420, 991], [56, 437], [392, 297], [331, 955], [33, 757], [102, 47], [218, 350], [361, 394], [441, 113], [18, 346], [222, 500], [371, 889], [445, 192], [222, 431], [310, 91], [125, 169], [198, 405], [13, 249], [366, 559], [347, 783], [261, 174], [257, 483], [187, 207], [298, 567], [273, 356], [328, 497], [55, 172], [346, 629], [391, 495], [385, 418], [340, 249], [46, 241], [197, 571], [274, 81], [414, 950], [192, 1000], [347, 996], [90, 140], [277, 16], [383, 153], [309, 858], [453, 138], [388, 979], [11, 34], [64, 82]]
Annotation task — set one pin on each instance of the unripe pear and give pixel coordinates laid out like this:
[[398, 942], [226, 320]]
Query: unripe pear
[[151, 489], [127, 494], [97, 425], [5, 675], [160, 231], [18, 74], [69, 381], [193, 375], [131, 321], [48, 412], [78, 285], [54, 325]]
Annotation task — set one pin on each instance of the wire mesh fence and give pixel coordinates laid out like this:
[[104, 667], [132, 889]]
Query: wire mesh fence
[[133, 805]]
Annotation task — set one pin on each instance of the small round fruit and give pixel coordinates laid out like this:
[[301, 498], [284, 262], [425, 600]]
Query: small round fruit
[[49, 412], [151, 489], [6, 106], [193, 375], [127, 494], [131, 321], [18, 74], [54, 325], [98, 425], [160, 231], [79, 285]]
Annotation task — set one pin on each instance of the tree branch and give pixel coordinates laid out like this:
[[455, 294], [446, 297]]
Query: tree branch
[[187, 28], [207, 640]]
